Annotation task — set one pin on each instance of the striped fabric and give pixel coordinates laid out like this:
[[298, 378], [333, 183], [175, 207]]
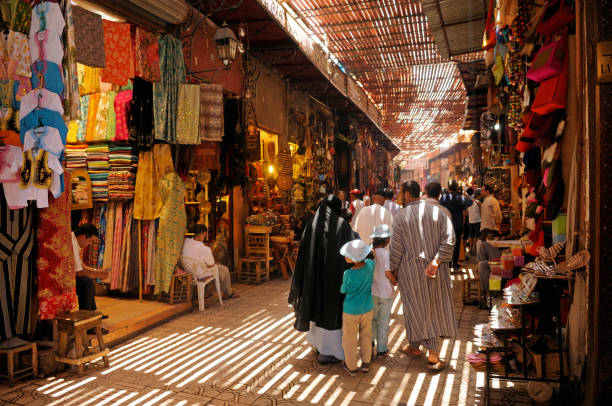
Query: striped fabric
[[17, 239], [421, 232]]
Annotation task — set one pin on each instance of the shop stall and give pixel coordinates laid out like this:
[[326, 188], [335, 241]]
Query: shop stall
[[530, 52]]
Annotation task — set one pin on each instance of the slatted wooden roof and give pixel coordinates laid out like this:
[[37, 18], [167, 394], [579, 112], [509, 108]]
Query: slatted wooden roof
[[388, 46]]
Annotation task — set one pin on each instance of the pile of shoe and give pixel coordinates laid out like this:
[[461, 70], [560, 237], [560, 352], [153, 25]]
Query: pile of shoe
[[478, 361], [546, 256]]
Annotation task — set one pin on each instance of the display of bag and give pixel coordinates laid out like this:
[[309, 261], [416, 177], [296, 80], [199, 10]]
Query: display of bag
[[549, 60], [557, 14], [488, 39], [552, 94]]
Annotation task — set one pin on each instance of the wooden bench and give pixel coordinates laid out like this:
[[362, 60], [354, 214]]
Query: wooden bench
[[76, 324], [12, 359]]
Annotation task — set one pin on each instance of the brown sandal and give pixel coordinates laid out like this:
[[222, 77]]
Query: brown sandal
[[437, 367], [406, 349]]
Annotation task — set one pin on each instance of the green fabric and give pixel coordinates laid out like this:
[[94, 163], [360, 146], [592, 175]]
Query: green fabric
[[112, 117], [357, 285], [166, 92]]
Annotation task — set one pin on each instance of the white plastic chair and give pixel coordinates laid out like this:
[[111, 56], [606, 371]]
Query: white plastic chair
[[201, 284]]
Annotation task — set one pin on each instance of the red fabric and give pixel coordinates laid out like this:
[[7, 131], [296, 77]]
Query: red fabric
[[118, 50], [146, 55], [55, 259]]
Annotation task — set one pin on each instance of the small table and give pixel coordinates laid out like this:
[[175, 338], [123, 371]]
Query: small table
[[12, 354], [77, 323]]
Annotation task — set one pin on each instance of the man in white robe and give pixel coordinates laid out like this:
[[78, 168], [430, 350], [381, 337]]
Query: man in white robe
[[421, 247]]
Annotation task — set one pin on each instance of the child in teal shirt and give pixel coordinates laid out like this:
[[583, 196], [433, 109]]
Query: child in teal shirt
[[358, 305]]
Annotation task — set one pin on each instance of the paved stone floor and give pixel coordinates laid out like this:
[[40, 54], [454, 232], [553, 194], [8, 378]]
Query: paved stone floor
[[247, 353]]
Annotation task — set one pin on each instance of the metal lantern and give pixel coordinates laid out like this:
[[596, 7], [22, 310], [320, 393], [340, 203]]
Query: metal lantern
[[227, 44]]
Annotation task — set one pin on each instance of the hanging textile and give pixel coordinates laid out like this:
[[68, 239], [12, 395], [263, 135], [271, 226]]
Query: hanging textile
[[165, 92], [47, 16], [118, 52], [122, 113], [101, 120], [211, 112], [130, 282], [152, 166], [71, 97], [51, 77], [141, 129], [146, 55], [206, 156], [15, 56], [127, 254], [89, 79], [46, 46], [55, 265], [117, 245], [187, 131], [17, 15], [151, 238], [88, 33], [172, 228], [111, 118], [17, 239], [92, 112], [109, 217]]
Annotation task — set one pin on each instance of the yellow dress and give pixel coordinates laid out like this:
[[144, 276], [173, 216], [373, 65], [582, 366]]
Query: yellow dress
[[152, 166]]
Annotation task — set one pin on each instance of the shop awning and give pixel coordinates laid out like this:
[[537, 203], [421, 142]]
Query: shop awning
[[388, 47], [273, 38]]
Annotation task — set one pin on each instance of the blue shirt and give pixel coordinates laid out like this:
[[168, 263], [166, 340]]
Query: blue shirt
[[357, 285]]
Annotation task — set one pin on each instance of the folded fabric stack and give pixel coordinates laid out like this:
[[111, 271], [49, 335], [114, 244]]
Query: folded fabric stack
[[122, 177], [97, 167], [75, 157]]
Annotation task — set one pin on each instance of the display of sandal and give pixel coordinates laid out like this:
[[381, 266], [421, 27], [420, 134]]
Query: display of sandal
[[579, 260], [551, 254]]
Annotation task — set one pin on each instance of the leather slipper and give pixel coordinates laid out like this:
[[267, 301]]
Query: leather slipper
[[406, 349], [437, 367]]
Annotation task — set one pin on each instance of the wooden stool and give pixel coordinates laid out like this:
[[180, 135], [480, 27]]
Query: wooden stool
[[471, 288], [280, 248], [12, 358], [251, 269], [77, 324]]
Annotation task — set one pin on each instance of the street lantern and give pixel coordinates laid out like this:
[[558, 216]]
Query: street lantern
[[227, 44]]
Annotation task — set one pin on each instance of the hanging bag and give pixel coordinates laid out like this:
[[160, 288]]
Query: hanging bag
[[552, 94], [557, 14], [488, 40], [549, 60]]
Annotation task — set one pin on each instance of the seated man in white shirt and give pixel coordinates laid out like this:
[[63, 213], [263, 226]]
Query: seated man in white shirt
[[198, 259], [82, 237]]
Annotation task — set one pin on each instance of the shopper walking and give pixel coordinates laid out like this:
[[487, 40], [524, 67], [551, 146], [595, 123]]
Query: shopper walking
[[457, 205], [473, 231], [382, 290], [356, 203], [421, 247], [315, 288], [358, 305], [490, 211], [371, 216]]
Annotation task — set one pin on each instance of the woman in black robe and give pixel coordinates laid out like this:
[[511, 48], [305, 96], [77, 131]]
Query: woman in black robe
[[315, 289]]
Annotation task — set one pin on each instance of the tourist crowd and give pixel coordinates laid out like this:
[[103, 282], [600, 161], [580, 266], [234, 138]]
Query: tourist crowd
[[354, 254]]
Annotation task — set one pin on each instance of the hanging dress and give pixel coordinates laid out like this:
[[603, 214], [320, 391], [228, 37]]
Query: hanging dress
[[172, 228], [17, 240], [165, 92], [55, 264]]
